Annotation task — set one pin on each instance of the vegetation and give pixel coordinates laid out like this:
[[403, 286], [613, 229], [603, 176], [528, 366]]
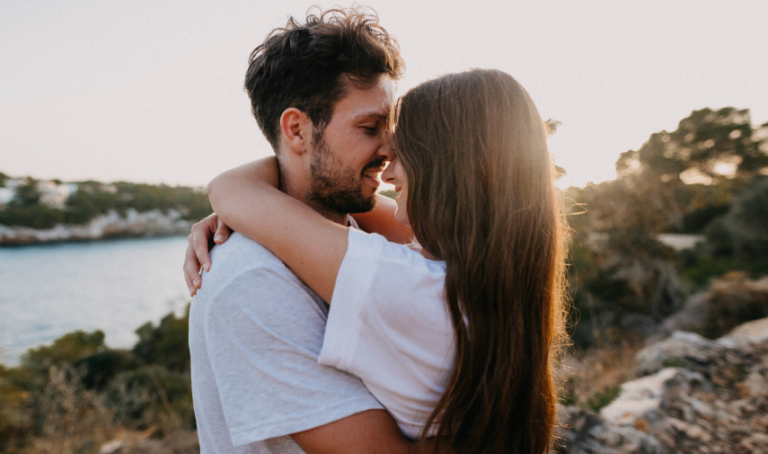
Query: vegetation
[[93, 199], [708, 177], [79, 391]]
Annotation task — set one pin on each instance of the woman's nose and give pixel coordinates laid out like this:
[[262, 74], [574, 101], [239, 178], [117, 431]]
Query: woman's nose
[[388, 175]]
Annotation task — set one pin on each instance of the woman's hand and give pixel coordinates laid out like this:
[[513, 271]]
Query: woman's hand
[[205, 234]]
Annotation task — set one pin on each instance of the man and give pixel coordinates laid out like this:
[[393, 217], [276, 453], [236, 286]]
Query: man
[[321, 93]]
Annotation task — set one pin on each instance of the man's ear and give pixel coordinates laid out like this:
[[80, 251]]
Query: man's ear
[[296, 128]]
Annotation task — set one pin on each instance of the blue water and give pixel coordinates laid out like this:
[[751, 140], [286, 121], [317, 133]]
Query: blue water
[[115, 286]]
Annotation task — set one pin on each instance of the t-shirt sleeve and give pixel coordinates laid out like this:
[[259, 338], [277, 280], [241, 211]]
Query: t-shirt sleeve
[[387, 313], [264, 336]]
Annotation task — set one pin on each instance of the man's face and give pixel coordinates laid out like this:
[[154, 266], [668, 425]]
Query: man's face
[[352, 150]]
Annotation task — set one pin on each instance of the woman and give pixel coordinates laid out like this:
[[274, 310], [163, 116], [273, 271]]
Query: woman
[[465, 332]]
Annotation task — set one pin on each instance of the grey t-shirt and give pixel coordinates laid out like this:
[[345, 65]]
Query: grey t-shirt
[[255, 333]]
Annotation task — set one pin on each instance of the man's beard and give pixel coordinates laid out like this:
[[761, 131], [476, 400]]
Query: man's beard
[[337, 189]]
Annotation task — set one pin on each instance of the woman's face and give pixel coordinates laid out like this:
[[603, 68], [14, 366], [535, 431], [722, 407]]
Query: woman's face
[[395, 174]]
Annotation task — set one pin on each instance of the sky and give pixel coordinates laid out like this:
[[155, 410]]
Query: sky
[[151, 91]]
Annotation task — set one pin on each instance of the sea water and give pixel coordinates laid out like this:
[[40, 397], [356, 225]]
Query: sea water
[[115, 286]]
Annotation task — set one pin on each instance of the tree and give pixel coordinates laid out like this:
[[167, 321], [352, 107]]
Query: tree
[[682, 180], [747, 221], [27, 193], [706, 146]]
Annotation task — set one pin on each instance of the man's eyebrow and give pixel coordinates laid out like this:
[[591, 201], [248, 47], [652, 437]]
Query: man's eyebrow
[[384, 120], [376, 115]]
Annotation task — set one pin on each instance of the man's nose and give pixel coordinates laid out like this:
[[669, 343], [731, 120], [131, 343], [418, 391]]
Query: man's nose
[[385, 151]]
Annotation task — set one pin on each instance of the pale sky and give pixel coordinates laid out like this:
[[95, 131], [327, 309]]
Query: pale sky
[[151, 91]]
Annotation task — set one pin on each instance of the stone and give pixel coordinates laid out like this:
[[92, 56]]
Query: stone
[[583, 432], [756, 385], [643, 398], [681, 350], [714, 401], [755, 331]]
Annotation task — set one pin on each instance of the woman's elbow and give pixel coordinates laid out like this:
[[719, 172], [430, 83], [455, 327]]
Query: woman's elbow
[[214, 189]]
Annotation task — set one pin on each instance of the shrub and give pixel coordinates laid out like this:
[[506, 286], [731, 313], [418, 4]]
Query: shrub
[[167, 344], [64, 350], [734, 300], [146, 396]]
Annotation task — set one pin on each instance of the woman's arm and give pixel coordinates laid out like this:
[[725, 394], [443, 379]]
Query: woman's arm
[[382, 221], [247, 200]]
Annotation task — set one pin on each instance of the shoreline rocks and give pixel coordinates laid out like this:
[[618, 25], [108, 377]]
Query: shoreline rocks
[[111, 225], [714, 400]]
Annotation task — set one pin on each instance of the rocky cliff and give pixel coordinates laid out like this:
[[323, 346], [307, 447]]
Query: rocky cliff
[[149, 223], [694, 396]]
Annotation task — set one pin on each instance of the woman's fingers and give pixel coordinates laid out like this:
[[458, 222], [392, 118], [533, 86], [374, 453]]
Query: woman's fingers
[[198, 243], [222, 233], [191, 268], [200, 239]]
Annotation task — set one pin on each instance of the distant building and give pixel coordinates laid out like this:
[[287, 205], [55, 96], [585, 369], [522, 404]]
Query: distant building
[[6, 195], [56, 194], [12, 183]]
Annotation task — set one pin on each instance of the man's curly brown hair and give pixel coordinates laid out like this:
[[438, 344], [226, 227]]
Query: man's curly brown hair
[[308, 66]]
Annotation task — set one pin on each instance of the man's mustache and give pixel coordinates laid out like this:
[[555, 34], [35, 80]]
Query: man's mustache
[[375, 164]]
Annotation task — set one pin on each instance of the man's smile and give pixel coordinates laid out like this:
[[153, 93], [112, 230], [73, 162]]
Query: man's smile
[[372, 171]]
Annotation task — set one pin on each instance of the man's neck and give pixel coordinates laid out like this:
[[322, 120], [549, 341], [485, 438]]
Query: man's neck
[[341, 219], [301, 195]]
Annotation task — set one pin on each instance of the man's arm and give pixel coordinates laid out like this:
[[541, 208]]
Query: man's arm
[[382, 221], [371, 432]]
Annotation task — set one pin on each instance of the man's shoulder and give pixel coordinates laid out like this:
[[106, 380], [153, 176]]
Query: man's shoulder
[[240, 252], [242, 269]]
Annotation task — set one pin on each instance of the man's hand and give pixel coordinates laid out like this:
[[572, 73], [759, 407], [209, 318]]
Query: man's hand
[[205, 234]]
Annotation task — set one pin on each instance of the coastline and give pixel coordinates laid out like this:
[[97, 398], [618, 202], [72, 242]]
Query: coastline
[[134, 224]]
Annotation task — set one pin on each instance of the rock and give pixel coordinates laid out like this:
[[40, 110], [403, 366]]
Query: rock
[[756, 385], [583, 432], [112, 224], [644, 399], [714, 401], [755, 331], [639, 323], [681, 350], [691, 318], [111, 447]]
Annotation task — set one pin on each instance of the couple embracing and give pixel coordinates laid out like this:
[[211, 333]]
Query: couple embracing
[[335, 321]]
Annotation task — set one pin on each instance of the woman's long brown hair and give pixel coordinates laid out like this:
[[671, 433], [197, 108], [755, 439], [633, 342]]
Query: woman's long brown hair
[[481, 197]]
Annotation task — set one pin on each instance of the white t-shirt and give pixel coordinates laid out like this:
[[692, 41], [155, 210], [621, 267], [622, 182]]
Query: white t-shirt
[[255, 332], [390, 326]]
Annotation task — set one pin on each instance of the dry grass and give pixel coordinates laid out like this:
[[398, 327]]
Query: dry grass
[[74, 420], [592, 380]]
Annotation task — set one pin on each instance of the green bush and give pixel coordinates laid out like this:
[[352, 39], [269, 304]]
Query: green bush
[[141, 396], [602, 398], [97, 371], [37, 216], [167, 344], [747, 221], [147, 387], [64, 350]]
